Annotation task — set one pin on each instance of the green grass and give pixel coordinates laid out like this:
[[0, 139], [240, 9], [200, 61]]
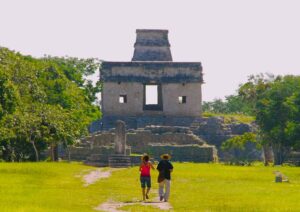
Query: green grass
[[229, 118], [195, 187], [231, 188], [44, 187]]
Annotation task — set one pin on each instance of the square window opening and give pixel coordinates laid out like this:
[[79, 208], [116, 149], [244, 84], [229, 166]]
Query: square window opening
[[123, 99], [182, 99]]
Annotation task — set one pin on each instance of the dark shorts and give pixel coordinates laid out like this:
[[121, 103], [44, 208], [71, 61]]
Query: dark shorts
[[145, 182]]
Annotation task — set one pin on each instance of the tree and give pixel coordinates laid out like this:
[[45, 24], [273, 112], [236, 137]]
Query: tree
[[239, 145], [293, 125], [60, 126], [233, 104], [76, 70], [274, 102], [8, 95], [215, 106], [44, 102]]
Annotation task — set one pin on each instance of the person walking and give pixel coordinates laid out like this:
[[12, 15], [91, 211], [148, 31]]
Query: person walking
[[145, 177], [165, 168]]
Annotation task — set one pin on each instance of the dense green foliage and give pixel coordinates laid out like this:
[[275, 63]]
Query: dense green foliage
[[43, 102], [239, 146], [238, 142], [233, 104], [274, 101], [231, 117], [276, 105], [195, 187]]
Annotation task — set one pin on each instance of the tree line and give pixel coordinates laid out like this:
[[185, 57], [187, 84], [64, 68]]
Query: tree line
[[44, 102], [47, 101], [274, 101]]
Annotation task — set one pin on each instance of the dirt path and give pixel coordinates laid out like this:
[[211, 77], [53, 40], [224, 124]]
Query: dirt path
[[111, 206], [95, 175]]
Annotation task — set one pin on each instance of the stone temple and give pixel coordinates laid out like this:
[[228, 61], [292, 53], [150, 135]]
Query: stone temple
[[151, 88], [159, 102]]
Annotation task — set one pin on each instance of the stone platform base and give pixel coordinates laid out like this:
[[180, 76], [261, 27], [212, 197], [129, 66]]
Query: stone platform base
[[184, 153], [99, 160], [119, 161], [180, 142], [293, 158]]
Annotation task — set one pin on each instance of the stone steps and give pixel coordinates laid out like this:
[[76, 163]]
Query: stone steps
[[95, 163], [97, 157], [99, 160], [119, 161]]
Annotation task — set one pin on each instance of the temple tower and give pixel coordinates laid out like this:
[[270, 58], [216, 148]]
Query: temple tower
[[152, 45], [151, 89]]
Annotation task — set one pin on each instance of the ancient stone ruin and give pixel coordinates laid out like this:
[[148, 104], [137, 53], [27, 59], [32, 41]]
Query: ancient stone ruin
[[151, 89], [120, 158], [158, 100]]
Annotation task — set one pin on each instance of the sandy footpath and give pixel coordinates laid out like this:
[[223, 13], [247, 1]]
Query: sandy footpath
[[95, 175], [111, 206]]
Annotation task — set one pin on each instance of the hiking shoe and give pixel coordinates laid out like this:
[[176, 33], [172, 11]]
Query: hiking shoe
[[161, 198], [147, 197]]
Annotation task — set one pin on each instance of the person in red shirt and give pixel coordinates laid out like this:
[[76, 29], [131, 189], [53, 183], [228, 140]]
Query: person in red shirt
[[145, 177]]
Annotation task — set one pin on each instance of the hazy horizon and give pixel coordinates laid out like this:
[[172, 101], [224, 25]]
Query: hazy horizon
[[232, 39]]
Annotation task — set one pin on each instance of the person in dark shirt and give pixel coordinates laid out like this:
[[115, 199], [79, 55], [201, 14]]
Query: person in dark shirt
[[164, 177]]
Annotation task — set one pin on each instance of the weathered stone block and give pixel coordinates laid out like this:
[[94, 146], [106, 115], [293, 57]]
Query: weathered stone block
[[193, 153]]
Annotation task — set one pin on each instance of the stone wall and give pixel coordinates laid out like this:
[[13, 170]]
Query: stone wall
[[151, 71], [213, 130], [152, 45], [141, 139], [182, 153], [171, 105], [81, 153], [293, 158], [127, 79], [135, 122], [180, 142], [111, 93]]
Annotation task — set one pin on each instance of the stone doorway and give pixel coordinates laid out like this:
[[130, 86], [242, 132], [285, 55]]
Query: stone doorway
[[152, 97]]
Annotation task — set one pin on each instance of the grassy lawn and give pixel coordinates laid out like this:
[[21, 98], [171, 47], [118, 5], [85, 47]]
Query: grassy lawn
[[195, 187]]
